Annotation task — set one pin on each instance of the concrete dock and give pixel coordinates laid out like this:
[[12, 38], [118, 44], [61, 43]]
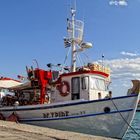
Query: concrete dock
[[16, 131]]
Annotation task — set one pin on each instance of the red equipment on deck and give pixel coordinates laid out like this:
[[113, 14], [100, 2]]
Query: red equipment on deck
[[40, 78]]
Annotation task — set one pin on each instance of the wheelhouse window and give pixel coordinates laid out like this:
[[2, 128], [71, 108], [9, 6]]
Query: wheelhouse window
[[85, 83], [75, 85], [75, 88], [97, 84]]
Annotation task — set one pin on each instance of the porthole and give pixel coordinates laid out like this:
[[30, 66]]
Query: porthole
[[107, 109]]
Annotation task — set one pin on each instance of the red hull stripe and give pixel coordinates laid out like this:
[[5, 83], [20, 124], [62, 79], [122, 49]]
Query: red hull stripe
[[86, 72], [6, 78]]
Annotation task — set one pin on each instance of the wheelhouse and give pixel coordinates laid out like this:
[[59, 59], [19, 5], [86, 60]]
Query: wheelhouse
[[86, 85]]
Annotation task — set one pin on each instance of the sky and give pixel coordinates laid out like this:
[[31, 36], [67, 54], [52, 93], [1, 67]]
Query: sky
[[34, 29]]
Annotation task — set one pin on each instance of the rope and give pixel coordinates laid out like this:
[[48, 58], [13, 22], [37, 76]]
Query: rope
[[125, 119], [66, 57], [80, 61], [87, 57]]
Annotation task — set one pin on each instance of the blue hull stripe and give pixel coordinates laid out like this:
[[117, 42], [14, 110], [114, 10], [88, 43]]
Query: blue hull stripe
[[49, 106], [74, 117]]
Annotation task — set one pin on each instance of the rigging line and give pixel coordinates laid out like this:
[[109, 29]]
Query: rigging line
[[125, 119], [87, 57], [66, 57], [79, 58], [82, 61], [34, 60]]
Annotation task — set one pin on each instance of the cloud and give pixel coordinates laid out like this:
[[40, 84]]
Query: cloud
[[129, 54], [118, 2], [122, 3], [120, 68], [122, 72]]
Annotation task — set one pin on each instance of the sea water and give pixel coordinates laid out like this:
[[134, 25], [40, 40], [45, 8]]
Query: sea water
[[131, 135]]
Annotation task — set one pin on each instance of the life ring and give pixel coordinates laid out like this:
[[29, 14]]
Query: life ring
[[64, 88]]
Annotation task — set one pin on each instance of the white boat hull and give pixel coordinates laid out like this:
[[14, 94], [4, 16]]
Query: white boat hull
[[138, 109], [106, 117]]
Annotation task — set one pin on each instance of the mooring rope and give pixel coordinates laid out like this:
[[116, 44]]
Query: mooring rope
[[125, 119]]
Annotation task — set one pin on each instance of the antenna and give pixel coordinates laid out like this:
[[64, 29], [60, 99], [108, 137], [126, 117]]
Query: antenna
[[34, 60], [75, 5], [103, 60]]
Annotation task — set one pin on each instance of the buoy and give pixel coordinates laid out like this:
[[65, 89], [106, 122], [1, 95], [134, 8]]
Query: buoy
[[2, 117], [64, 88], [13, 118]]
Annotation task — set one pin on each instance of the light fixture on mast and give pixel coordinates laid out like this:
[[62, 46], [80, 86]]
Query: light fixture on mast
[[86, 45]]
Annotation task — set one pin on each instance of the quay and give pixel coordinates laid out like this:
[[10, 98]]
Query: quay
[[16, 131]]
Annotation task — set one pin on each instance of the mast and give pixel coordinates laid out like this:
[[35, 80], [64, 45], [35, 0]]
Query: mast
[[75, 38], [73, 57]]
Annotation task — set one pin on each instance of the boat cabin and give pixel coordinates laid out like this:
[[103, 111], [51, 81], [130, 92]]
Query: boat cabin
[[86, 83]]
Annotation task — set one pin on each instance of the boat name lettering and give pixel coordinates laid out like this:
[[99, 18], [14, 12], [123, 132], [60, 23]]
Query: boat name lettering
[[78, 113], [56, 114]]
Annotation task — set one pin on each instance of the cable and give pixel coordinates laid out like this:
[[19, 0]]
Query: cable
[[66, 57], [125, 119], [80, 61]]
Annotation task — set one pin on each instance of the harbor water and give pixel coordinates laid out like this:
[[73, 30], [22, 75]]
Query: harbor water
[[131, 135]]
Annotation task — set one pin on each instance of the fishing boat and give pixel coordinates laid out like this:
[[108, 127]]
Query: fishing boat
[[138, 108], [6, 83], [136, 84], [74, 98]]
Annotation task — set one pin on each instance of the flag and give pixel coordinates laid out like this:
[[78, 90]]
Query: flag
[[67, 42]]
